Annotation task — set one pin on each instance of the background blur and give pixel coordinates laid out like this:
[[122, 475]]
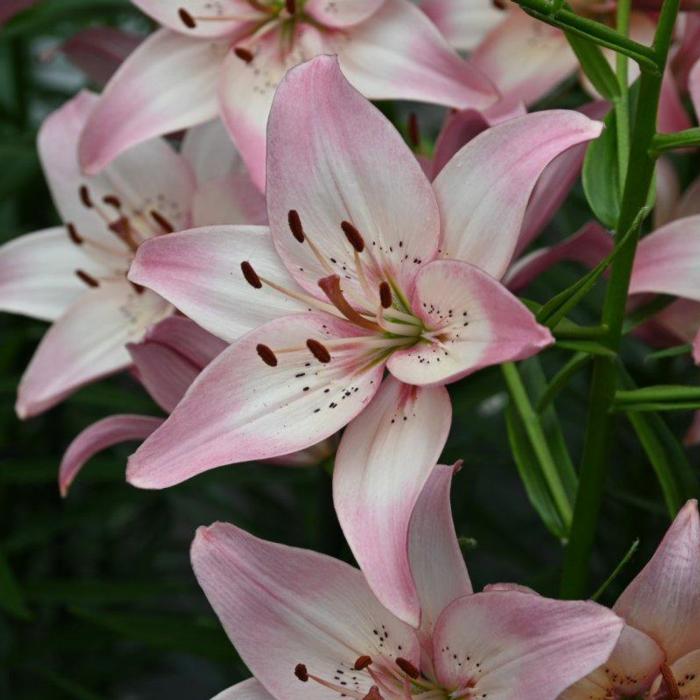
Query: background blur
[[97, 599]]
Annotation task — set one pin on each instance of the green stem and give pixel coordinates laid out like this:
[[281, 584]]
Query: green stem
[[680, 139], [621, 104], [537, 438], [604, 382]]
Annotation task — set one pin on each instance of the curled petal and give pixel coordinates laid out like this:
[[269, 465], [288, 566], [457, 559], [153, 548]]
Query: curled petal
[[254, 403], [99, 436], [282, 607], [385, 457], [168, 83]]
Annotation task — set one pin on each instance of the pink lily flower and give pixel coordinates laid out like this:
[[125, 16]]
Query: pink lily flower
[[366, 268], [75, 275], [658, 655], [310, 628], [228, 57]]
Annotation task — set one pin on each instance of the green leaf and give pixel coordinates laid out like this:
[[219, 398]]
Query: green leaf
[[675, 351], [601, 175], [561, 379], [663, 397], [595, 66], [616, 571], [171, 632], [11, 595]]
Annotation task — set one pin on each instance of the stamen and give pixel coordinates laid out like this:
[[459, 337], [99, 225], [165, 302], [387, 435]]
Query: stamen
[[139, 289], [186, 18], [407, 667], [112, 201], [353, 235], [373, 694], [291, 6], [74, 235], [268, 357], [162, 221], [670, 681], [244, 54], [413, 131], [122, 227], [251, 276], [385, 295], [362, 662], [318, 351], [89, 280], [85, 198], [331, 288], [295, 225], [301, 673]]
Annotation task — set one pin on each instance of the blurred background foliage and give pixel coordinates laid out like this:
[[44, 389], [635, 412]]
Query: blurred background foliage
[[97, 599]]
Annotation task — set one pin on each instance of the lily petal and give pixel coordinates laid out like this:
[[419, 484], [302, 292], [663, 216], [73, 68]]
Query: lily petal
[[283, 606], [200, 272], [464, 23], [692, 437], [232, 199], [345, 14], [689, 204], [665, 596], [240, 408], [168, 83], [187, 338], [668, 260], [437, 565], [225, 18], [686, 671], [210, 152], [99, 436], [151, 176], [525, 58], [518, 646], [483, 207], [252, 689], [475, 320], [631, 668], [348, 164], [86, 343], [37, 274], [694, 87], [400, 54], [385, 457]]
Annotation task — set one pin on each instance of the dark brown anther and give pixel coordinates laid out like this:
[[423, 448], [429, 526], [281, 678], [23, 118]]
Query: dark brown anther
[[301, 673], [318, 350], [291, 6], [362, 662], [407, 667], [85, 198], [186, 18], [373, 694], [162, 221], [137, 287], [74, 235], [385, 295], [499, 4], [295, 226], [112, 201], [121, 227], [89, 280], [251, 276], [266, 355], [353, 236], [243, 54], [413, 130]]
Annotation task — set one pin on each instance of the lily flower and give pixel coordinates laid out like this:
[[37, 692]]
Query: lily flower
[[366, 267], [658, 655], [75, 275], [310, 628], [228, 57]]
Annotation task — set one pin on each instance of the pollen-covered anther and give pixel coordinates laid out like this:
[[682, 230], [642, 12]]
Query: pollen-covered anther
[[112, 201], [266, 355], [318, 350], [301, 673], [186, 18], [85, 197], [88, 279], [73, 234], [362, 662], [413, 130], [244, 54], [385, 296], [373, 694], [251, 276], [353, 235], [291, 6], [295, 226], [162, 221], [407, 667]]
